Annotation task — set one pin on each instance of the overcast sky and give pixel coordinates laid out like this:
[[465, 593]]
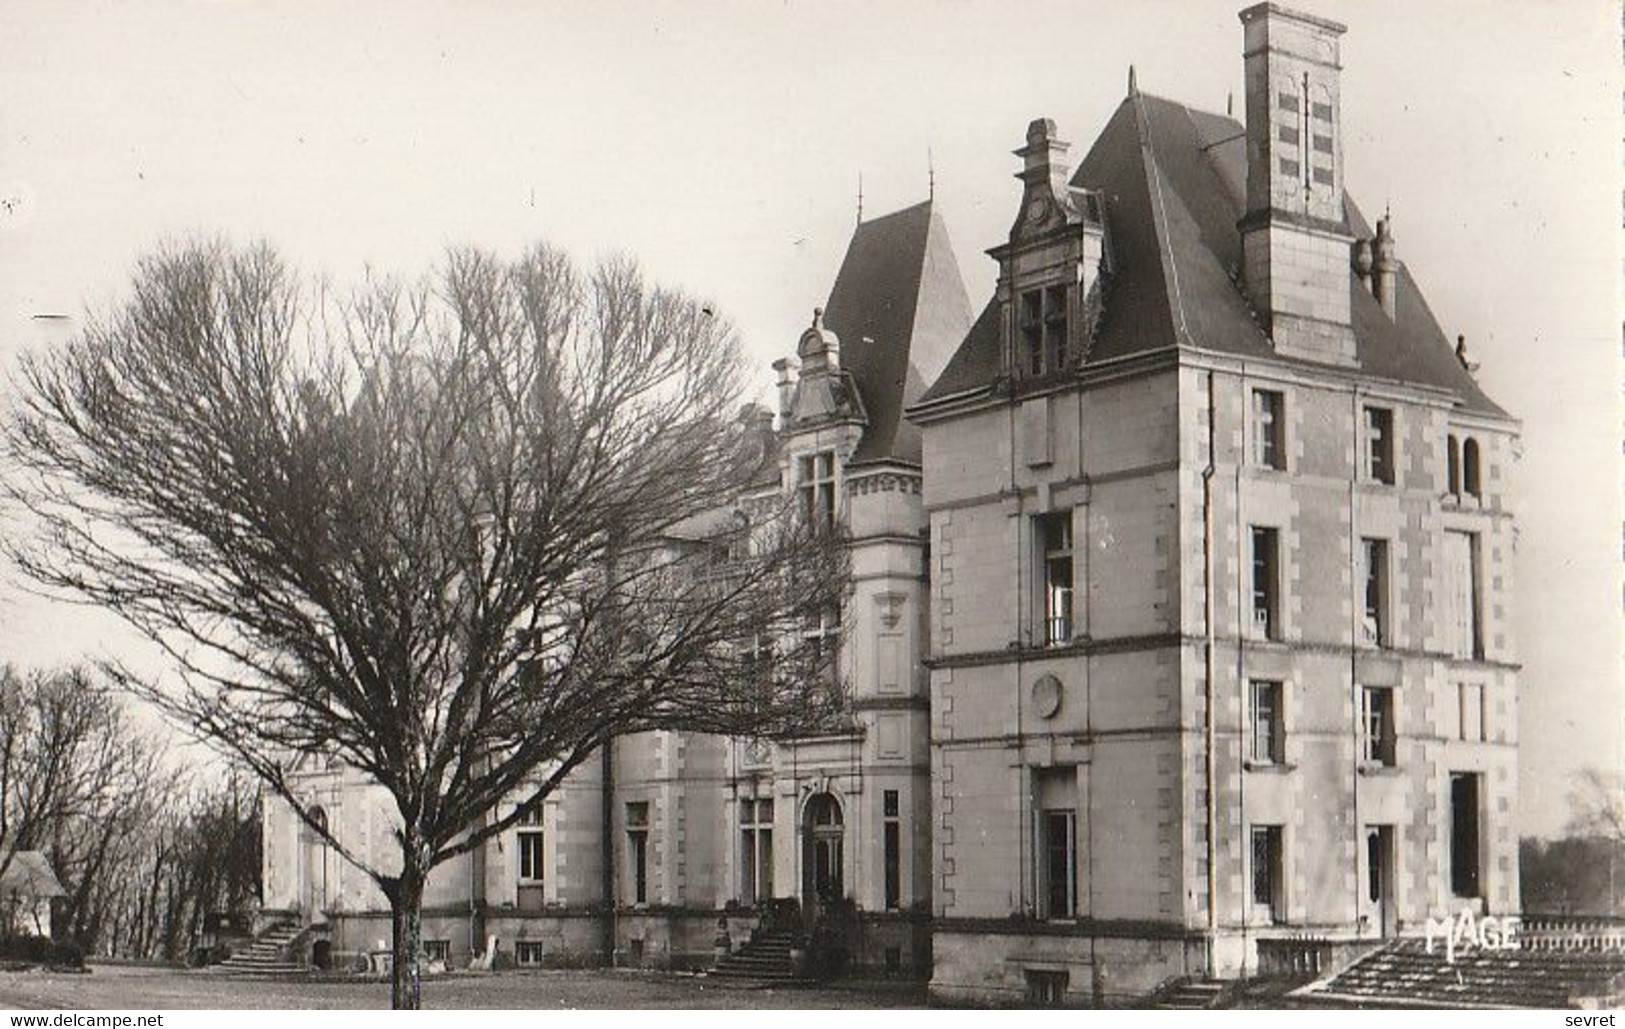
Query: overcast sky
[[721, 144]]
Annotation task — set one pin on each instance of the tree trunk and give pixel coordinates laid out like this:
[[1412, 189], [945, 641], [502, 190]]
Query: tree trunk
[[406, 916]]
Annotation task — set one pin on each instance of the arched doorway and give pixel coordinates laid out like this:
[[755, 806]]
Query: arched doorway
[[823, 833], [313, 848]]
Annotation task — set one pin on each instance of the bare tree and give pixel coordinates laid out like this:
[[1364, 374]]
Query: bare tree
[[457, 534]]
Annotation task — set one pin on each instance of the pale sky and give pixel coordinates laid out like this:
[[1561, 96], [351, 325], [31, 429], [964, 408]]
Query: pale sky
[[721, 144]]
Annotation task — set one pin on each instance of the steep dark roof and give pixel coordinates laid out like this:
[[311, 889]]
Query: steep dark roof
[[1174, 183], [899, 288]]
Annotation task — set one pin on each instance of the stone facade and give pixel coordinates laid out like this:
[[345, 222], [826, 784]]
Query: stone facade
[[1181, 622]]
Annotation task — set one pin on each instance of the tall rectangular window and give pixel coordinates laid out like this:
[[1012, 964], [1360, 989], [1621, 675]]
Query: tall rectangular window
[[1465, 868], [817, 485], [1032, 331], [1375, 623], [756, 850], [637, 850], [1269, 428], [530, 847], [1380, 731], [1268, 873], [1379, 444], [892, 831], [1055, 327], [1058, 851], [1269, 736], [1464, 592], [1470, 711], [1055, 544], [1042, 322], [1266, 582]]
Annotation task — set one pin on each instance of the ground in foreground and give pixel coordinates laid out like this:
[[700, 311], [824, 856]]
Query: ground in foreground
[[139, 989]]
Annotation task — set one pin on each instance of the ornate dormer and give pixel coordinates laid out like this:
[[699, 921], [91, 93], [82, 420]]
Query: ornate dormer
[[824, 392], [1049, 289]]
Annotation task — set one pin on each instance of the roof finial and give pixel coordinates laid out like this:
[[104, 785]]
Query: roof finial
[[1230, 104], [1133, 86], [930, 175], [860, 197]]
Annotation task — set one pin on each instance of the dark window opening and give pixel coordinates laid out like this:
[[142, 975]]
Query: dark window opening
[[1058, 848], [1046, 989], [1379, 444], [1453, 464], [893, 843], [1266, 572], [1465, 878], [1376, 592], [1469, 467], [1268, 880]]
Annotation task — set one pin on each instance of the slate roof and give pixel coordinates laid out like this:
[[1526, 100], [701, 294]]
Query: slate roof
[[899, 287], [1174, 182], [29, 875]]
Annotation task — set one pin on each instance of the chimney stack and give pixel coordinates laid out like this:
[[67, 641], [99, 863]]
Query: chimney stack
[[1384, 266], [1044, 170], [785, 369], [1295, 238]]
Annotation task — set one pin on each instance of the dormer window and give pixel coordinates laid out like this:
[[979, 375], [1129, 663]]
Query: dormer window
[[1043, 330]]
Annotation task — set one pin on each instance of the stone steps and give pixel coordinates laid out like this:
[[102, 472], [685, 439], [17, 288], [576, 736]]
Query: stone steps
[[765, 959]]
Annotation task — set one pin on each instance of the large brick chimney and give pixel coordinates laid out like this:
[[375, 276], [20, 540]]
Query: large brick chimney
[[1295, 237]]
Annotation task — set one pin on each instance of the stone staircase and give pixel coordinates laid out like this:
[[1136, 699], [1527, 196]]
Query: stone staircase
[[765, 959], [265, 956], [1191, 995], [1404, 973]]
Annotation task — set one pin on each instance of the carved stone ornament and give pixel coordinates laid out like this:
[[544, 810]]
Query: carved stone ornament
[[1046, 694], [890, 608]]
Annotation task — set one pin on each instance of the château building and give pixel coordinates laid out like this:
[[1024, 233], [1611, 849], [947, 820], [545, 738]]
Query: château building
[[1180, 639]]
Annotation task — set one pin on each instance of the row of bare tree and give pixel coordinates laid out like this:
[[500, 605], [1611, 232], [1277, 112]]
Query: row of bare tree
[[145, 853]]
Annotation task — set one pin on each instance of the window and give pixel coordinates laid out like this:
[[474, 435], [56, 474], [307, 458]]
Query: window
[[822, 634], [527, 953], [1269, 429], [1046, 988], [756, 850], [1378, 719], [637, 850], [1043, 321], [1379, 444], [1032, 331], [892, 830], [1269, 897], [530, 846], [437, 950], [1269, 737], [1464, 835], [1266, 583], [1453, 464], [1463, 595], [1469, 466], [1055, 543], [1470, 711], [1058, 852], [1376, 592], [817, 485]]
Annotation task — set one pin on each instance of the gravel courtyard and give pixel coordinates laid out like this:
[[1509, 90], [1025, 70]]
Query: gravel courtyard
[[113, 986]]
